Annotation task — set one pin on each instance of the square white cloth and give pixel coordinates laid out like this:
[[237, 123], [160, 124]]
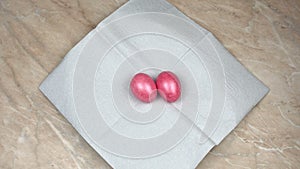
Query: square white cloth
[[90, 88]]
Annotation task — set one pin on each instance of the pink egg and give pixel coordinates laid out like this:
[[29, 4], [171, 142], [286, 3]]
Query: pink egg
[[143, 87], [168, 86]]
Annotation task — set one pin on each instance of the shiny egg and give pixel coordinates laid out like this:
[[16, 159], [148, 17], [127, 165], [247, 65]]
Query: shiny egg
[[168, 86], [143, 87]]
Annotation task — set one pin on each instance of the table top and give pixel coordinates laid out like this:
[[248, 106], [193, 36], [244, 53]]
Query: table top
[[35, 35]]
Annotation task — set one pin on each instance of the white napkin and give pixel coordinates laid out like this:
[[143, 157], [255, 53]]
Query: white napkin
[[90, 88]]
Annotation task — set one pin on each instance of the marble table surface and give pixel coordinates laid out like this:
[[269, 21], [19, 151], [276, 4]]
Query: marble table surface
[[264, 35]]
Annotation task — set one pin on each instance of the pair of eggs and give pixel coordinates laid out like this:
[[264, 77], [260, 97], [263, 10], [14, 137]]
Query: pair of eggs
[[145, 88]]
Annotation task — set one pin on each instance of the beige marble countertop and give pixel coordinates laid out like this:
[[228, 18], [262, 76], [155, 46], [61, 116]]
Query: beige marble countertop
[[264, 35]]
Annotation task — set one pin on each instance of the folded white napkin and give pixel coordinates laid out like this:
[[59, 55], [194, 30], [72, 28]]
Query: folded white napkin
[[90, 88]]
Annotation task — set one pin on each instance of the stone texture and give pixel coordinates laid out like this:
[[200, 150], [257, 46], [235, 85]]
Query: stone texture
[[264, 35]]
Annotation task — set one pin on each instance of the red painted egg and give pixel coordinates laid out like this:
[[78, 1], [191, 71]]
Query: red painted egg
[[143, 87], [168, 86]]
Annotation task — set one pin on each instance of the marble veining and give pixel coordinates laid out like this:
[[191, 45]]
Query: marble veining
[[264, 35]]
